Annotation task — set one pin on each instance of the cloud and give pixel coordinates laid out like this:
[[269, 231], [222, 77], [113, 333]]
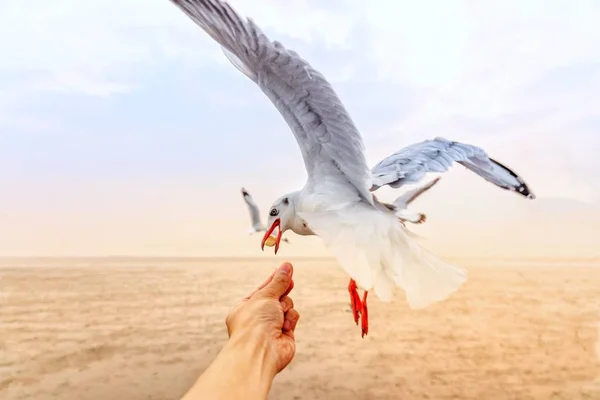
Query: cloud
[[131, 88]]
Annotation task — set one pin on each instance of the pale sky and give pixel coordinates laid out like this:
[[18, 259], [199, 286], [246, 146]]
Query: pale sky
[[123, 113]]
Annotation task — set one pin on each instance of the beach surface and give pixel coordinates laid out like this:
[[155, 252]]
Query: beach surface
[[92, 329]]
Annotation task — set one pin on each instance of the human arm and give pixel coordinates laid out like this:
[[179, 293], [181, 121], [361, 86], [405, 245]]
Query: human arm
[[261, 343]]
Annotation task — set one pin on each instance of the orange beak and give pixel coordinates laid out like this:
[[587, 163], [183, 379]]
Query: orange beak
[[276, 224]]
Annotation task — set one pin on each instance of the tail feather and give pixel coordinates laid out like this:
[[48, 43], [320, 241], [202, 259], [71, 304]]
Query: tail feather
[[425, 278], [375, 249]]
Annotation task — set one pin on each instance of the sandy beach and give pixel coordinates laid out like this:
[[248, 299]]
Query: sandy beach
[[132, 136], [94, 329]]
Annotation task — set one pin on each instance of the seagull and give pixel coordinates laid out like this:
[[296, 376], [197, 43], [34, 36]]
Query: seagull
[[401, 203], [257, 225], [410, 164], [370, 243]]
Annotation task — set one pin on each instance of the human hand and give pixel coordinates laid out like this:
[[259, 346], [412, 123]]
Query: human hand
[[261, 343], [267, 318]]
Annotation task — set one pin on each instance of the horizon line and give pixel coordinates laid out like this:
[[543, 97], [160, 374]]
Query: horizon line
[[281, 258]]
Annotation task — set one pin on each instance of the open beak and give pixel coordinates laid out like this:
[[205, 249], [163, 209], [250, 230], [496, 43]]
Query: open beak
[[276, 224]]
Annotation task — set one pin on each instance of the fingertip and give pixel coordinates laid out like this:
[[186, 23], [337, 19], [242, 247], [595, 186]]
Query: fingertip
[[293, 325], [280, 284], [287, 325], [291, 319], [286, 268], [283, 274], [296, 316]]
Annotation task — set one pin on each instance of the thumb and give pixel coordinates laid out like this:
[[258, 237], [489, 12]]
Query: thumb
[[280, 282]]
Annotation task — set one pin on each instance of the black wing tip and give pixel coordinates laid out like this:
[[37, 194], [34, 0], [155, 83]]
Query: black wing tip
[[522, 189], [245, 192]]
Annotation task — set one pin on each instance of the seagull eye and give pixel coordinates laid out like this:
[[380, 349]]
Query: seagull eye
[[274, 212]]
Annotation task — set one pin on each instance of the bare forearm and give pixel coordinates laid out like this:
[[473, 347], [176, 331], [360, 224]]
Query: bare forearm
[[240, 371]]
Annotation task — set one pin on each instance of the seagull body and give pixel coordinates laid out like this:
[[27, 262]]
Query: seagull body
[[255, 220], [336, 203]]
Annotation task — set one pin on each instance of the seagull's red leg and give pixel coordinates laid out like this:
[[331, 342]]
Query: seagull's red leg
[[364, 319], [354, 300]]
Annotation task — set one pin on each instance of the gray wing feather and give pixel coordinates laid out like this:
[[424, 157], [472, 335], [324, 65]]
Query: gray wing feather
[[327, 137], [410, 165], [403, 201], [253, 209]]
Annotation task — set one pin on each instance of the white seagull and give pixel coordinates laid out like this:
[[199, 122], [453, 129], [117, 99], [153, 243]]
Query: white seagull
[[400, 205], [410, 164], [257, 225], [336, 203]]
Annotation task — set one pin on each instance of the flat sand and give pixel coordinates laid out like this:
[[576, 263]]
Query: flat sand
[[145, 329]]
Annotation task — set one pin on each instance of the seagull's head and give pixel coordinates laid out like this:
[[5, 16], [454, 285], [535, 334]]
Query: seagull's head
[[282, 215]]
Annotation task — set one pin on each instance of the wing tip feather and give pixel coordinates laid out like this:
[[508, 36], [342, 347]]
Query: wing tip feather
[[522, 189]]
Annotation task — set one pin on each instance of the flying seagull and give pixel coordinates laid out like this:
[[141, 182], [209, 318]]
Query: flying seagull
[[411, 164], [257, 225], [400, 205], [336, 203]]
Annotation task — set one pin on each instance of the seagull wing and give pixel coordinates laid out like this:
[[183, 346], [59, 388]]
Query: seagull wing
[[254, 211], [410, 165], [403, 201], [331, 145]]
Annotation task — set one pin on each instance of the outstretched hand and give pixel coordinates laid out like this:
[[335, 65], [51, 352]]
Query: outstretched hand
[[267, 315], [261, 343]]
